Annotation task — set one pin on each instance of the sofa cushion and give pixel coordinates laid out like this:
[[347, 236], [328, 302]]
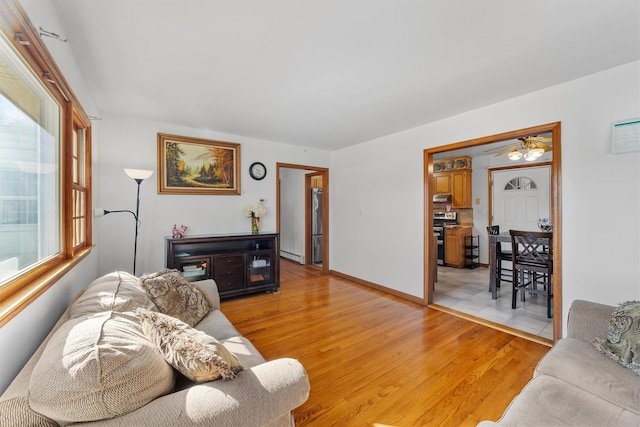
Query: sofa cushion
[[16, 412], [548, 401], [622, 340], [117, 291], [174, 296], [244, 350], [577, 362], [209, 289], [195, 354], [217, 325], [98, 366]]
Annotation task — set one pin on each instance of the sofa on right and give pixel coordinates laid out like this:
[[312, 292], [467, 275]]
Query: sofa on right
[[576, 384]]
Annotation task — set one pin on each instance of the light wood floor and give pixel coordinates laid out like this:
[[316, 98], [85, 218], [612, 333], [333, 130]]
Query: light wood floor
[[377, 360]]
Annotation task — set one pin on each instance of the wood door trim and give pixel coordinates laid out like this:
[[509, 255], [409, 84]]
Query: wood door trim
[[315, 170], [556, 207]]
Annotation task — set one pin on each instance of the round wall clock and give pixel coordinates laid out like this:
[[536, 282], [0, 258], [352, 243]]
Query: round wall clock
[[257, 171]]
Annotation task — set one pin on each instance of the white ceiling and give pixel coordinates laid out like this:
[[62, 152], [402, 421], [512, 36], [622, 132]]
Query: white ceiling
[[332, 73]]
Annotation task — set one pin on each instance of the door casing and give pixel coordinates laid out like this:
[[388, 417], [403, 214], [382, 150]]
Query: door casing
[[556, 207]]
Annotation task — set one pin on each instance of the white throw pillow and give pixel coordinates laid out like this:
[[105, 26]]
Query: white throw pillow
[[98, 366], [117, 291], [195, 354]]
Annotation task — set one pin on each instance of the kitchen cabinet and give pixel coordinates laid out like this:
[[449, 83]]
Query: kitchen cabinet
[[443, 184], [454, 177], [239, 263], [461, 194], [454, 245]]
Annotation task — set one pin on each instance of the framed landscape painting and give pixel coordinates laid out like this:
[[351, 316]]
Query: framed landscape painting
[[197, 166]]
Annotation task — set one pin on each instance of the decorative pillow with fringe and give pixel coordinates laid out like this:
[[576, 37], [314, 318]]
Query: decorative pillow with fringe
[[174, 296], [622, 340], [193, 353]]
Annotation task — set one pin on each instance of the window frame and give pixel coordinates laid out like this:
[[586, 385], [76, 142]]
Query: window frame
[[18, 293]]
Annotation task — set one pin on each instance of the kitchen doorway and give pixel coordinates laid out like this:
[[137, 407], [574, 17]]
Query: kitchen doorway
[[302, 201], [481, 145]]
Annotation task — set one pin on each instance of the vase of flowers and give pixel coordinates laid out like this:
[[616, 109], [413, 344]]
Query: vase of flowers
[[255, 212]]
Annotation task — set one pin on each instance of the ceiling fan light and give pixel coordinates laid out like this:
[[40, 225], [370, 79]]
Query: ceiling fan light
[[536, 152], [515, 155], [528, 156]]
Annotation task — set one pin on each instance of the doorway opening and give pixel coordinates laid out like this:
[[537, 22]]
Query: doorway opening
[[302, 201], [482, 145]]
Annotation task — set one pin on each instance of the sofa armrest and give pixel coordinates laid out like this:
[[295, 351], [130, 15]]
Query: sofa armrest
[[588, 320], [256, 397], [210, 290]]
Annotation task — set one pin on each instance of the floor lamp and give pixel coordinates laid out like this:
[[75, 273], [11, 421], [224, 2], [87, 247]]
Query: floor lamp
[[138, 176]]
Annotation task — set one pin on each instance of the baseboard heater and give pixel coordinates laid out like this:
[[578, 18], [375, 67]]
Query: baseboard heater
[[293, 257]]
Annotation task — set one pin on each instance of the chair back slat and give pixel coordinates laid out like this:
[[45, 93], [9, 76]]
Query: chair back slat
[[532, 247]]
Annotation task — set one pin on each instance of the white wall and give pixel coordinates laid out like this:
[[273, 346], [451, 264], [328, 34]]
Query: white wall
[[292, 220], [377, 189], [132, 143]]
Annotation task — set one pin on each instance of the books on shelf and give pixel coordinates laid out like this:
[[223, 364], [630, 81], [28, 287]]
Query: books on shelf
[[190, 273]]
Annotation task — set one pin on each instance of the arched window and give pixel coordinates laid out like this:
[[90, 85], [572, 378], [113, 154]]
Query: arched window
[[521, 183]]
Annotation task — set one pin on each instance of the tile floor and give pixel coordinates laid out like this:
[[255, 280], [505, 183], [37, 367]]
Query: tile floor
[[467, 290]]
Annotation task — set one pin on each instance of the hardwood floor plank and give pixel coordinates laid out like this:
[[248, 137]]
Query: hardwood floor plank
[[375, 359]]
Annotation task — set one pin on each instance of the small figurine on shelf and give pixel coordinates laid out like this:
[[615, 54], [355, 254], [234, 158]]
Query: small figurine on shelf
[[178, 232]]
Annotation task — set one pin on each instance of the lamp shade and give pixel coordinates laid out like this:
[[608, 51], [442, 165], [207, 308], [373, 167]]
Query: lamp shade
[[140, 174]]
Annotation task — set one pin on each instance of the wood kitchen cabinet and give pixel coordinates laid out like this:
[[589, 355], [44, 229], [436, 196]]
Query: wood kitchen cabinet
[[453, 176], [461, 195], [239, 264], [443, 184], [454, 245]]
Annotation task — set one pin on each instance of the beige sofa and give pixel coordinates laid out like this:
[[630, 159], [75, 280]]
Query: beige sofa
[[575, 384], [263, 393]]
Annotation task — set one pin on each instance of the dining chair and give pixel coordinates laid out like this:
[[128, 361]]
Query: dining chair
[[502, 274], [532, 257]]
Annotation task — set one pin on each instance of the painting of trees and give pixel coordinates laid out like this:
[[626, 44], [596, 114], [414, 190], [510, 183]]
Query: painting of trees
[[197, 166]]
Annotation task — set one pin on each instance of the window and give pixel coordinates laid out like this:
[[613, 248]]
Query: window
[[45, 191], [521, 183]]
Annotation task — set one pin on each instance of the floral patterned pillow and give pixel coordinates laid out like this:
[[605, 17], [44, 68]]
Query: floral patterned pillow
[[622, 340], [173, 295]]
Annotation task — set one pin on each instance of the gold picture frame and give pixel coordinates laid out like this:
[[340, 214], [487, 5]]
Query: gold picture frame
[[197, 166]]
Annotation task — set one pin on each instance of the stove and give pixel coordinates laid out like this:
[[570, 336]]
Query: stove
[[443, 218], [440, 220]]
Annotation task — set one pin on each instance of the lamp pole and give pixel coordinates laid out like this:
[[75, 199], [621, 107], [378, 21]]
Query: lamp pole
[[135, 245], [138, 176]]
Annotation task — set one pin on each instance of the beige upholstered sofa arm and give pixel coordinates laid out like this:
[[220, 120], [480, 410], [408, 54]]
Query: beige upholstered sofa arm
[[588, 320], [257, 397]]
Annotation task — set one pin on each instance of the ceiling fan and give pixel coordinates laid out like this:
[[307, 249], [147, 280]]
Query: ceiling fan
[[532, 146]]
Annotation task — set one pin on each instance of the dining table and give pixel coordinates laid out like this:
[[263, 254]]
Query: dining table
[[493, 260]]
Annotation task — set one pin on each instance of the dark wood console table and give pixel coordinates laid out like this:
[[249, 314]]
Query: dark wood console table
[[239, 263]]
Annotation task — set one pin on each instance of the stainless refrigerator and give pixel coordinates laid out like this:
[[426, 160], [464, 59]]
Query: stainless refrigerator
[[316, 225]]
